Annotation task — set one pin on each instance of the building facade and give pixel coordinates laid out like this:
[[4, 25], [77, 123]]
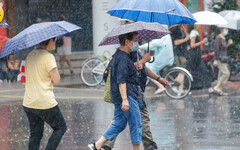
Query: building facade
[[91, 15]]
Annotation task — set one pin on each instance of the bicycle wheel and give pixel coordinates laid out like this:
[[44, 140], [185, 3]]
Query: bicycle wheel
[[92, 72], [176, 89]]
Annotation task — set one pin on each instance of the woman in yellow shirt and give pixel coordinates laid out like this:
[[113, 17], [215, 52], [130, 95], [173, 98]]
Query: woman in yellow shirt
[[39, 101]]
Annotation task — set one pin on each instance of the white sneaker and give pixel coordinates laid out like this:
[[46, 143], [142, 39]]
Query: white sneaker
[[175, 89], [158, 91], [92, 147]]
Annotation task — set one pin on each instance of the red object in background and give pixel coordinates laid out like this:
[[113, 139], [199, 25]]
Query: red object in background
[[3, 40], [208, 55], [200, 8], [21, 76], [184, 2], [3, 31]]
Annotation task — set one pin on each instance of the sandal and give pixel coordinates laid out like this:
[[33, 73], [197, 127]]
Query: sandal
[[222, 94]]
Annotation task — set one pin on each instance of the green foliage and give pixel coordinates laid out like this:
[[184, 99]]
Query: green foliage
[[233, 34]]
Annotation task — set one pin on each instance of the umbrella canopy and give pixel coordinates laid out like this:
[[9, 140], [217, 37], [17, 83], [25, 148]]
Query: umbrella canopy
[[232, 17], [167, 12], [146, 32], [36, 34], [209, 18], [4, 24]]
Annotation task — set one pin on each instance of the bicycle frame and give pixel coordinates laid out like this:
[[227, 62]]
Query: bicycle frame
[[98, 70]]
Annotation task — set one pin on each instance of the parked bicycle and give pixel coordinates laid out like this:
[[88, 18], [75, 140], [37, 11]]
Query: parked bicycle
[[93, 68]]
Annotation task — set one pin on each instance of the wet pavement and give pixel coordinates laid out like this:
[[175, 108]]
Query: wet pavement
[[198, 122]]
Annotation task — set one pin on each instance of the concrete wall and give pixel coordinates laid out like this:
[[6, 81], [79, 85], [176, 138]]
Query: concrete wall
[[103, 24]]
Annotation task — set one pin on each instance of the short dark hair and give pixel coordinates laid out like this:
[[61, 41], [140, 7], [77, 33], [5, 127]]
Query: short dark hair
[[190, 27], [127, 36], [45, 43]]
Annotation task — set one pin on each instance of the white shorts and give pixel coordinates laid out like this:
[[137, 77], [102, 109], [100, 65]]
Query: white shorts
[[63, 51]]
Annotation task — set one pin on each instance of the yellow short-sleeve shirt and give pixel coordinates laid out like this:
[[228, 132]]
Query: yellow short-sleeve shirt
[[38, 87]]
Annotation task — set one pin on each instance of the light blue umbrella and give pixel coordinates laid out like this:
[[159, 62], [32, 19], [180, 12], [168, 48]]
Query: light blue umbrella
[[167, 12], [36, 34]]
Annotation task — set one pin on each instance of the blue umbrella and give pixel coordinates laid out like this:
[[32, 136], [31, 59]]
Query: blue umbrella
[[167, 12], [36, 34], [4, 24]]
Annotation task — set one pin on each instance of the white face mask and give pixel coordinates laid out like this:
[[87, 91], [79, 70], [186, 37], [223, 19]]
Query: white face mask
[[135, 46], [225, 32]]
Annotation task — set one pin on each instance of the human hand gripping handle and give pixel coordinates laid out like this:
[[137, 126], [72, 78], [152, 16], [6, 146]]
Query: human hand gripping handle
[[147, 57], [138, 65], [163, 81]]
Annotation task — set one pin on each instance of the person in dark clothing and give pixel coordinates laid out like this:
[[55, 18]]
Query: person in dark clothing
[[143, 71], [3, 69], [180, 37], [195, 64], [125, 93]]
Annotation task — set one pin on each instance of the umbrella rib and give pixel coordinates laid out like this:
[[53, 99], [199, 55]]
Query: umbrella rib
[[138, 15]]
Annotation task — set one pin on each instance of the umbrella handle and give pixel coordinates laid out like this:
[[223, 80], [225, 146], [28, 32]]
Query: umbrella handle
[[153, 59]]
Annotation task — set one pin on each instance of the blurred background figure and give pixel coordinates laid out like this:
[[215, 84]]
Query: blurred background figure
[[195, 64], [46, 18], [180, 38], [221, 60], [3, 61], [12, 68], [163, 53], [3, 69], [64, 49]]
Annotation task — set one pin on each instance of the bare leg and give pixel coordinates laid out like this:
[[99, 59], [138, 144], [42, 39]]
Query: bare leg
[[180, 79], [218, 87], [69, 64], [101, 142], [160, 86], [62, 64], [136, 147]]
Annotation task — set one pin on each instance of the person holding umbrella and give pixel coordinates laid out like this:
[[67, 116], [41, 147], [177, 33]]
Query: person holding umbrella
[[124, 93], [147, 139], [141, 32], [39, 101], [41, 71]]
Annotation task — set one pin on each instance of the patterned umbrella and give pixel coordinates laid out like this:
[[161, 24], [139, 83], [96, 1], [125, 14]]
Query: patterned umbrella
[[36, 34], [146, 32]]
